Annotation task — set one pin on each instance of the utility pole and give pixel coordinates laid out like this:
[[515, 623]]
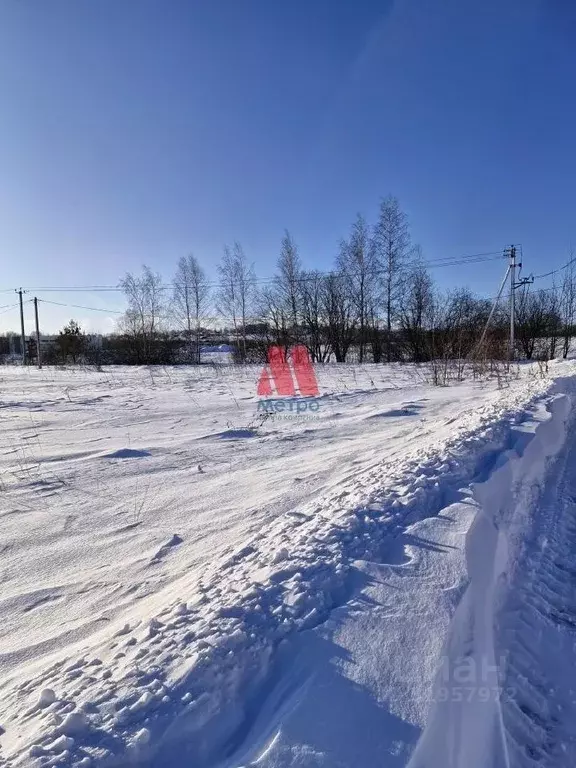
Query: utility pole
[[512, 253], [38, 356], [22, 333]]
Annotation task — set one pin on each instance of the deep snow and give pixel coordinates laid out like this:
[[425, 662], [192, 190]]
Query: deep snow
[[187, 583]]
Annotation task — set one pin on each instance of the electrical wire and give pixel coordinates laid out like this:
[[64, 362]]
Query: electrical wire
[[476, 258], [76, 289], [555, 271], [440, 262], [9, 307], [79, 306]]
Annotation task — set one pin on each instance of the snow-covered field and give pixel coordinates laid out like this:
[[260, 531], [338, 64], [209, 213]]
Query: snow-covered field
[[187, 583]]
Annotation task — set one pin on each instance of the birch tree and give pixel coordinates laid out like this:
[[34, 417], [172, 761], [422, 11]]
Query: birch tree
[[143, 318], [289, 282], [236, 292], [357, 264], [392, 249], [191, 292]]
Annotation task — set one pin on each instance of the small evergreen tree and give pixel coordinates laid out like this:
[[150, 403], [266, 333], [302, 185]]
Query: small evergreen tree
[[71, 342]]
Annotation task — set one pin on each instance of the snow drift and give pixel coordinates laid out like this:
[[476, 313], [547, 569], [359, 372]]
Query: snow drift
[[466, 726]]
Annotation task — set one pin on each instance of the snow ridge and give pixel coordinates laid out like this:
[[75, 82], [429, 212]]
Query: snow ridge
[[471, 731], [536, 630]]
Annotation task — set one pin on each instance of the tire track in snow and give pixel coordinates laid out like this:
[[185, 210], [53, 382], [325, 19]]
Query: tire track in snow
[[538, 630], [475, 731]]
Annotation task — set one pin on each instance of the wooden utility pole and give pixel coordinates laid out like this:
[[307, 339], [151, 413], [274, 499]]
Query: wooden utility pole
[[513, 285], [38, 355], [22, 333], [512, 253]]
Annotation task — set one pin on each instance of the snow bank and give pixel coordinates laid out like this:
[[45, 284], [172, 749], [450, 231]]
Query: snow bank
[[465, 726]]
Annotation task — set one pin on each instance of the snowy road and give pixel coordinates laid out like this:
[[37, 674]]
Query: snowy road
[[184, 584]]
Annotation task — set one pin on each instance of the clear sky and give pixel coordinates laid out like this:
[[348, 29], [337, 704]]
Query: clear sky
[[137, 131]]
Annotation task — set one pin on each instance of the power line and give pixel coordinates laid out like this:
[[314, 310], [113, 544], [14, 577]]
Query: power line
[[9, 307], [440, 262], [212, 319], [79, 306], [555, 271], [80, 287], [432, 264], [469, 256], [76, 289], [340, 274], [457, 262]]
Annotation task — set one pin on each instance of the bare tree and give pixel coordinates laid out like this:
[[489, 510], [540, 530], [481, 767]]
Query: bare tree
[[537, 320], [143, 318], [313, 320], [236, 292], [246, 281], [554, 329], [288, 282], [227, 299], [191, 291], [416, 313], [392, 248], [464, 318], [357, 264], [340, 316], [275, 318]]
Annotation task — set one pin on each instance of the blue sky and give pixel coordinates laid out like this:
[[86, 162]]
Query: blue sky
[[136, 131]]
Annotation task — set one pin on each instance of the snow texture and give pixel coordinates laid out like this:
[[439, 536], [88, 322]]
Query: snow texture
[[188, 583]]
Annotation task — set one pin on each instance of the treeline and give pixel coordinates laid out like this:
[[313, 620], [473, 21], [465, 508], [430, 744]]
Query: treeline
[[379, 303]]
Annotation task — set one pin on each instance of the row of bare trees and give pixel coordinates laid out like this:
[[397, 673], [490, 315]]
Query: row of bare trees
[[378, 304], [356, 305], [155, 310]]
